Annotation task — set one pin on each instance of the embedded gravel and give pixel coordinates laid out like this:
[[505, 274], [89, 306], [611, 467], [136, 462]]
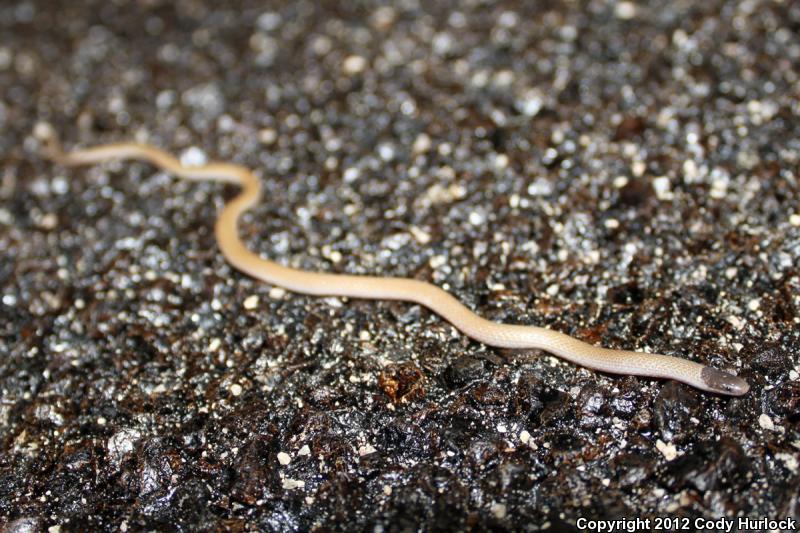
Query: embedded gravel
[[624, 172]]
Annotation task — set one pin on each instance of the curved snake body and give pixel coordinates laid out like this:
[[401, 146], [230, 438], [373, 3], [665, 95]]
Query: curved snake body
[[385, 288]]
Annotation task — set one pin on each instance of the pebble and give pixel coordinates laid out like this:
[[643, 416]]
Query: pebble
[[766, 422], [354, 64], [421, 144], [251, 302], [284, 458], [193, 157], [669, 451]]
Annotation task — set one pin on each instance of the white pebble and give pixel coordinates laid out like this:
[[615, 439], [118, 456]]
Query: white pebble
[[501, 161], [267, 136], [251, 302], [794, 219], [305, 450], [499, 510], [524, 436], [354, 64], [421, 144], [789, 460], [284, 458], [625, 10], [386, 152], [611, 223], [766, 422], [669, 451], [437, 261], [276, 293], [290, 484], [366, 449], [662, 187], [351, 174], [236, 389], [43, 131], [193, 157], [420, 235], [268, 21]]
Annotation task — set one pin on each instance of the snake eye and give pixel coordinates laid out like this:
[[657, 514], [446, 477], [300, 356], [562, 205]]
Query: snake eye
[[723, 382]]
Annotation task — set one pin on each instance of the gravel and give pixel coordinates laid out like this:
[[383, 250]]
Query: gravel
[[623, 172]]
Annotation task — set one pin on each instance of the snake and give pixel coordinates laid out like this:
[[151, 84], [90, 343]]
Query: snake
[[441, 302]]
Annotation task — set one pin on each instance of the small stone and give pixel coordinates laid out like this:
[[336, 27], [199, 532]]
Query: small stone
[[499, 510], [421, 144], [366, 450], [290, 484], [625, 10], [305, 450], [420, 235], [437, 261], [354, 64], [193, 157], [236, 389], [794, 219], [276, 293], [49, 221], [386, 151], [251, 302], [351, 174], [267, 136], [766, 422], [43, 131], [662, 188], [669, 451], [789, 461], [524, 436], [501, 161], [284, 458]]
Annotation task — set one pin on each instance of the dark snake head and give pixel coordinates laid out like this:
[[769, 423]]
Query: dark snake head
[[723, 382]]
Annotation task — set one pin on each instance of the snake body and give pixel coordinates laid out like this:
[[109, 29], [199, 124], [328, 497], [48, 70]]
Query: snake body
[[386, 288]]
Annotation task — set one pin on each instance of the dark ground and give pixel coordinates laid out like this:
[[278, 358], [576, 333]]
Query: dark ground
[[626, 174]]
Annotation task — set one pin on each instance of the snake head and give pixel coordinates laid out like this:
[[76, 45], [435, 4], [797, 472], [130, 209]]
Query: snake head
[[723, 382]]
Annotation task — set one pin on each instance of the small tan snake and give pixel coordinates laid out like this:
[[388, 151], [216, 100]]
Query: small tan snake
[[382, 288]]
